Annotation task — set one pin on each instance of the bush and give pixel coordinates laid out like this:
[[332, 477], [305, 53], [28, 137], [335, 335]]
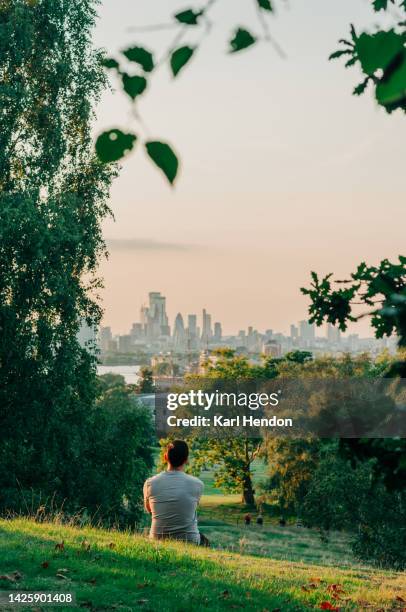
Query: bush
[[343, 497], [291, 465], [118, 458], [334, 492], [381, 535]]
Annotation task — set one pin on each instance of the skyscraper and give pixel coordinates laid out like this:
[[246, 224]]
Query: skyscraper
[[154, 317], [307, 333], [218, 332], [179, 334], [192, 325], [192, 334], [206, 328], [333, 334], [294, 333]]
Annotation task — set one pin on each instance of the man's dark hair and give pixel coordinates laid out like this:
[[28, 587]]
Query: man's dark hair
[[178, 452]]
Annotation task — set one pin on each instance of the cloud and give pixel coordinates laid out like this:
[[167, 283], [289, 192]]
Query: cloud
[[145, 244]]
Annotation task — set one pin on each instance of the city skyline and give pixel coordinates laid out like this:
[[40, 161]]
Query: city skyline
[[171, 314], [193, 333]]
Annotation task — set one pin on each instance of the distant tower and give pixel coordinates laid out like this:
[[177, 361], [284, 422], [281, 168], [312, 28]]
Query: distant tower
[[192, 333], [294, 333], [333, 334], [157, 319], [192, 324], [206, 330], [218, 332], [307, 333], [179, 334]]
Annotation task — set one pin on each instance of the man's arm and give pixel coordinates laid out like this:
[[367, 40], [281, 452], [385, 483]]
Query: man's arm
[[200, 492], [146, 498]]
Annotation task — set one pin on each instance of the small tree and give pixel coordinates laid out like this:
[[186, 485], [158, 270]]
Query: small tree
[[291, 465], [232, 458]]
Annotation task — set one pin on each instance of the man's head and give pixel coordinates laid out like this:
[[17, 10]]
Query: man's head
[[177, 454]]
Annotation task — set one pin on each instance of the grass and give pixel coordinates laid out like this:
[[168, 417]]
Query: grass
[[221, 520], [119, 571]]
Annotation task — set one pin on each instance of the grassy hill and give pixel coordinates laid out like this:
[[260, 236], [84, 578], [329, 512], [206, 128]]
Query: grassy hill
[[118, 571]]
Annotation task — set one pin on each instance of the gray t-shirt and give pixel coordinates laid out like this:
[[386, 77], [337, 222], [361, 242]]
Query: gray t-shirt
[[173, 497]]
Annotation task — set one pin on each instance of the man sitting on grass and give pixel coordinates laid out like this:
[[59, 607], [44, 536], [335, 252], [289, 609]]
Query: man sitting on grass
[[172, 497]]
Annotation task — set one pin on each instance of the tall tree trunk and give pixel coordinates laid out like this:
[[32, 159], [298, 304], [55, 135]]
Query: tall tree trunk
[[247, 488], [248, 493]]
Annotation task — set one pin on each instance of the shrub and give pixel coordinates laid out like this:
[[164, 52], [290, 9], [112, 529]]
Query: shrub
[[343, 497], [381, 535]]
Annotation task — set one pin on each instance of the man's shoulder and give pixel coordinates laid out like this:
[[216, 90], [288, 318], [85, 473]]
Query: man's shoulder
[[155, 477], [194, 480]]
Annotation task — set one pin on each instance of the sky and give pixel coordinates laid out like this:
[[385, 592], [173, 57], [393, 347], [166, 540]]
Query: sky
[[283, 170]]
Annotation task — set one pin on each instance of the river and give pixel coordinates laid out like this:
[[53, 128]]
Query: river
[[130, 372]]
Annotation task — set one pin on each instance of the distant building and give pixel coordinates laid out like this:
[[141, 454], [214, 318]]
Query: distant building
[[242, 338], [206, 328], [112, 346], [137, 332], [179, 334], [272, 348], [125, 344], [333, 334], [218, 332], [294, 333], [307, 333], [154, 318], [192, 324], [105, 337], [207, 360], [192, 333], [253, 340]]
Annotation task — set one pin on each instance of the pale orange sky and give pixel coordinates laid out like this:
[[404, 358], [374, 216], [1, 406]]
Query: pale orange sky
[[283, 171]]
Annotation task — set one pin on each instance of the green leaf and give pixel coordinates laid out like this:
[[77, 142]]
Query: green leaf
[[392, 88], [380, 5], [339, 53], [377, 51], [163, 156], [265, 4], [134, 85], [359, 89], [188, 17], [141, 56], [180, 57], [351, 61], [110, 63], [113, 145], [242, 40]]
